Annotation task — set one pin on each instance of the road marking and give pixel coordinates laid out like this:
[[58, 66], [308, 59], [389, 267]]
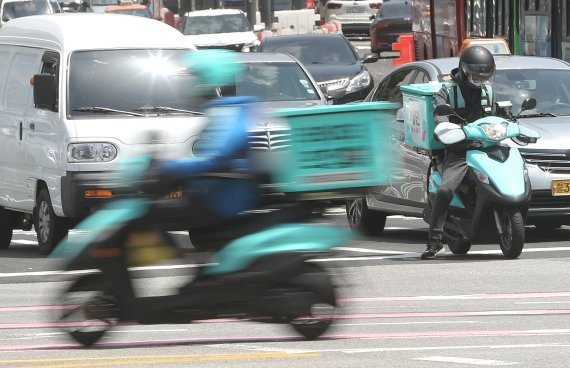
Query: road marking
[[466, 361], [374, 251], [152, 359], [460, 297], [24, 241]]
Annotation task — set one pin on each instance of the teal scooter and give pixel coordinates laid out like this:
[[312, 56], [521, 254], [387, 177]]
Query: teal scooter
[[267, 275], [494, 196]]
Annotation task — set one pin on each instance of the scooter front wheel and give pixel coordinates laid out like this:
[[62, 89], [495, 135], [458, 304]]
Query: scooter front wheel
[[512, 238], [322, 309], [89, 309]]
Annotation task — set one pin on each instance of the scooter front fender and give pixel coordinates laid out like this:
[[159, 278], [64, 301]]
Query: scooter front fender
[[508, 180]]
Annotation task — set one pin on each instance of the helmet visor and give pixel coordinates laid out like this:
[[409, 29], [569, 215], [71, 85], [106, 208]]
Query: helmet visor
[[479, 73]]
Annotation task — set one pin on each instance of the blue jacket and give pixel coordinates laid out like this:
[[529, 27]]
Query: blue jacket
[[221, 152]]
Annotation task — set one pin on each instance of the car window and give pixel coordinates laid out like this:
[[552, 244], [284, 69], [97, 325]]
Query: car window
[[390, 91], [550, 88], [422, 77], [328, 50], [224, 23]]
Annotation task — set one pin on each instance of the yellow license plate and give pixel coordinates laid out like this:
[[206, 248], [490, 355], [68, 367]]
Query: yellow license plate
[[560, 187]]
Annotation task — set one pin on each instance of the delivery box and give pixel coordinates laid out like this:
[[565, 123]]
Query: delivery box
[[335, 151], [419, 107]]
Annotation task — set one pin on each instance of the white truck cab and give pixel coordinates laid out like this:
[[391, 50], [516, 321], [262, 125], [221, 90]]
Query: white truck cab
[[77, 93]]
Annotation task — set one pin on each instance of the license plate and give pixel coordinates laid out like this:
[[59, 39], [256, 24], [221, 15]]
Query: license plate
[[355, 9], [560, 187]]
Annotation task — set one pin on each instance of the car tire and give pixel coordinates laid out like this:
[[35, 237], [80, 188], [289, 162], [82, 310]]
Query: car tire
[[50, 229], [6, 227], [364, 220]]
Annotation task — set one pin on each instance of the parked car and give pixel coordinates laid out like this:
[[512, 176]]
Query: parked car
[[392, 19], [353, 15], [130, 9], [547, 161], [332, 61], [11, 9], [220, 29]]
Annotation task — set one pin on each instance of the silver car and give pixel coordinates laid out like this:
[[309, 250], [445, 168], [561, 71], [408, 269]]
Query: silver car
[[547, 161], [355, 16]]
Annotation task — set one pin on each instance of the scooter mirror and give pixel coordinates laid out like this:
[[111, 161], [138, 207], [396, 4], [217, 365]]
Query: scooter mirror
[[528, 104], [444, 110]]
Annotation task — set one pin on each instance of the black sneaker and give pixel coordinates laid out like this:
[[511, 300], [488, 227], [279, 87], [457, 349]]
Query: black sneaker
[[433, 250]]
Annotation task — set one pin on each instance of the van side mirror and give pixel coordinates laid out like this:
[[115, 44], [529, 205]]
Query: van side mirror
[[45, 91], [528, 104]]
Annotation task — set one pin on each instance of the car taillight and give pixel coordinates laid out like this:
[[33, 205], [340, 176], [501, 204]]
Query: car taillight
[[334, 6], [375, 5]]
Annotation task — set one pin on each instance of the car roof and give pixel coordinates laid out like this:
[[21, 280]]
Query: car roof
[[83, 31], [443, 66], [212, 12], [297, 37]]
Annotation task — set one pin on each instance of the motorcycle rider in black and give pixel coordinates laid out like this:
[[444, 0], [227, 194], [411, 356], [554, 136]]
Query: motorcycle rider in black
[[470, 83]]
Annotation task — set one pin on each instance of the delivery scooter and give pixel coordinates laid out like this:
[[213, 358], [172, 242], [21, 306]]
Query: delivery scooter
[[494, 196], [266, 276]]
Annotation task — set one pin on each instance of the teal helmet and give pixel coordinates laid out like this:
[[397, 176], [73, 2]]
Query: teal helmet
[[214, 68]]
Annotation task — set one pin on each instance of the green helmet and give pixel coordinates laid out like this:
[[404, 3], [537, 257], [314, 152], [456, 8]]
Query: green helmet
[[214, 68]]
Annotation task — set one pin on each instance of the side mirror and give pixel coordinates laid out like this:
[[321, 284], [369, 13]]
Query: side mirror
[[334, 91], [370, 58], [444, 110], [45, 91], [528, 104]]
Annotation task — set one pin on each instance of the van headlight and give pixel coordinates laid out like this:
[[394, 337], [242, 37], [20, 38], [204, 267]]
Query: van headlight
[[251, 46], [91, 152], [360, 81], [495, 132]]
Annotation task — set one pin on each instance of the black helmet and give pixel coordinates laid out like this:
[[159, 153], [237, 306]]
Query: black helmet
[[476, 66]]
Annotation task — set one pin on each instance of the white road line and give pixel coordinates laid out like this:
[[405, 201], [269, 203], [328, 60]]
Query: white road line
[[374, 251], [23, 241], [466, 361]]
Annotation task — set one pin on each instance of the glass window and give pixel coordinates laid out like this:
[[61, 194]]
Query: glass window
[[391, 90], [130, 79], [421, 77], [329, 50], [550, 88], [24, 66], [421, 16], [226, 23], [274, 82]]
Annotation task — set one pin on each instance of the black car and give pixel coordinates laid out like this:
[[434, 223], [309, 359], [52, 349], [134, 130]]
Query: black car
[[332, 61], [392, 20]]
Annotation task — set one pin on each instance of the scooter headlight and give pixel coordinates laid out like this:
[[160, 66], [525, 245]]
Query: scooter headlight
[[495, 132]]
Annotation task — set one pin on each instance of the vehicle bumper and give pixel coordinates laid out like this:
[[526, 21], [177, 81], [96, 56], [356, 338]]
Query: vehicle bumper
[[546, 207], [73, 185]]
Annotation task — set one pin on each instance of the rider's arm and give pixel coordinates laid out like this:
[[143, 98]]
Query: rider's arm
[[227, 136], [441, 97]]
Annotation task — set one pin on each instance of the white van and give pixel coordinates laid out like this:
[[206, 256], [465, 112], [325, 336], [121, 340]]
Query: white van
[[76, 93]]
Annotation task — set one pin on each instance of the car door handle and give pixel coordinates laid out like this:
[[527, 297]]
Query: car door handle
[[21, 130], [32, 126]]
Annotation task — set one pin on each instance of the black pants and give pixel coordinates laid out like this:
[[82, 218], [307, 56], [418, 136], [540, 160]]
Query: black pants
[[454, 170]]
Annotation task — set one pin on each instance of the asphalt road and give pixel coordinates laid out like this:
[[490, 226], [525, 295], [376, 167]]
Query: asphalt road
[[395, 309]]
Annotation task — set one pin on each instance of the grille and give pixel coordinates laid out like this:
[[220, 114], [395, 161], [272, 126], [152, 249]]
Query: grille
[[341, 81], [270, 139], [545, 199], [556, 162]]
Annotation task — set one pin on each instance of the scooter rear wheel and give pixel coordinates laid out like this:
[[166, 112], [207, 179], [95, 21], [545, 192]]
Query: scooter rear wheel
[[90, 309], [512, 239], [322, 310]]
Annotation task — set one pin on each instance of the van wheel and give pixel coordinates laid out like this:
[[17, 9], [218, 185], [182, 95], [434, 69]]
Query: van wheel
[[362, 219], [50, 229], [6, 227]]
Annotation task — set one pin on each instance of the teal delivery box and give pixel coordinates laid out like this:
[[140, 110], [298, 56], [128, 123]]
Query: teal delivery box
[[418, 115], [335, 151]]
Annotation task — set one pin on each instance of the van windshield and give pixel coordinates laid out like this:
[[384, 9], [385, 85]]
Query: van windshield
[[128, 80]]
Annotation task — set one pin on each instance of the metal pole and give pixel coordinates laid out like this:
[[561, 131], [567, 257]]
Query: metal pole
[[250, 9]]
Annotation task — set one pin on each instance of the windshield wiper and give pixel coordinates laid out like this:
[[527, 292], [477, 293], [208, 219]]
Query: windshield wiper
[[539, 115], [159, 109], [105, 110]]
